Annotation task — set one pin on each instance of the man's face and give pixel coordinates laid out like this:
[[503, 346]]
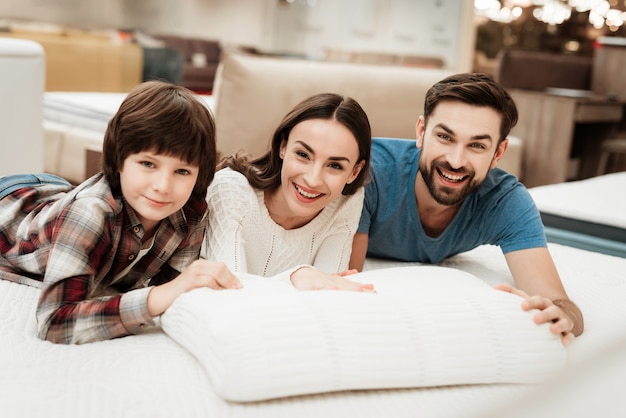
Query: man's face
[[459, 145]]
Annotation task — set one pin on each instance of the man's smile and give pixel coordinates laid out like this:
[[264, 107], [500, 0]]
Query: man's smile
[[450, 176]]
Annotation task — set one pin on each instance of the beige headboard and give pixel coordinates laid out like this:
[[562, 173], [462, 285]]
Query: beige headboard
[[253, 93]]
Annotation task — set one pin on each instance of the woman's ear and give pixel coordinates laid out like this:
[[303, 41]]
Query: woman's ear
[[355, 171], [283, 147]]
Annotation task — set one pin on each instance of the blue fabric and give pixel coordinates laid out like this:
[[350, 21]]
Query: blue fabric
[[9, 184], [500, 212]]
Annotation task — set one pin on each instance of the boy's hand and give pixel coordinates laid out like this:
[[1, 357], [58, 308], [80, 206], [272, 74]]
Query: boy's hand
[[203, 273], [200, 273]]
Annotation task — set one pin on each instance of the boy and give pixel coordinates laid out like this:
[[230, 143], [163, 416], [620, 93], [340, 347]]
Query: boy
[[115, 251]]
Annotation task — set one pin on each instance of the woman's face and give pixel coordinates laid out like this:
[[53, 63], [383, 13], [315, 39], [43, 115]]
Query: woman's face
[[319, 158]]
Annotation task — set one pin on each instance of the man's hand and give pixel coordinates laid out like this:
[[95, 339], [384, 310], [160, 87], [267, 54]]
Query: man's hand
[[549, 312], [535, 273]]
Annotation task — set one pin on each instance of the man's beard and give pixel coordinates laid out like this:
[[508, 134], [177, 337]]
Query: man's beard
[[445, 195]]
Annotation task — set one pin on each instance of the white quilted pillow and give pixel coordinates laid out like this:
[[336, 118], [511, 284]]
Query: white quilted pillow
[[425, 326]]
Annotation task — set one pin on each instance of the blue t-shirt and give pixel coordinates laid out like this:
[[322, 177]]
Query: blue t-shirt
[[499, 212]]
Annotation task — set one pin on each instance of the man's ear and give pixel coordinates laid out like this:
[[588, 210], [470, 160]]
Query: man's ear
[[502, 146], [420, 131]]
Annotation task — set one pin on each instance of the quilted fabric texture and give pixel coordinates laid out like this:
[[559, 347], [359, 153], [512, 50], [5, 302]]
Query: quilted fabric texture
[[425, 326]]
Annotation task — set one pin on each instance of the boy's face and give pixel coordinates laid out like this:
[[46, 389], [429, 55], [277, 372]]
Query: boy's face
[[156, 185], [459, 147]]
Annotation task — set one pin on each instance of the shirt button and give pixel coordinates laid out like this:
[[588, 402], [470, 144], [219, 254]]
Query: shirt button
[[132, 256], [136, 229]]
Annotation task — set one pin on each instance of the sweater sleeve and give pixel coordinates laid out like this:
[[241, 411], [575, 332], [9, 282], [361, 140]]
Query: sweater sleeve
[[230, 199], [334, 252]]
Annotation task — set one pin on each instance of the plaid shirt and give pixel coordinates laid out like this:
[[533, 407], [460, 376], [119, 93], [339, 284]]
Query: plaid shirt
[[73, 244]]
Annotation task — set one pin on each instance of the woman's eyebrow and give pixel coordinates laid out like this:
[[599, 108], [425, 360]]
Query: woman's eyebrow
[[305, 145], [309, 149]]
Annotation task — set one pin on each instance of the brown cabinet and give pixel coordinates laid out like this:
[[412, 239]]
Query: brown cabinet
[[549, 124]]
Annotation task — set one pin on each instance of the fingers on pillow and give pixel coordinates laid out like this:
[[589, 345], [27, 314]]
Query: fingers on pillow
[[504, 287], [567, 338], [508, 288]]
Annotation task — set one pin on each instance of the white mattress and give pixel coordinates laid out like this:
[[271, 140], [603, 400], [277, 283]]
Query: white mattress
[[151, 376], [589, 214], [87, 110], [599, 199], [84, 110]]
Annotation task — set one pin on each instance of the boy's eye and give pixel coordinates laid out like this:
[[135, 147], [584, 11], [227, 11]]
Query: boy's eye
[[183, 171], [478, 146], [147, 164]]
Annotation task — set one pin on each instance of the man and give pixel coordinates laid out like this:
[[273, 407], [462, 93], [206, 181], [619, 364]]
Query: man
[[443, 195]]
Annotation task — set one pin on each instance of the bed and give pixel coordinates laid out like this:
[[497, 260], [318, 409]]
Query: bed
[[588, 214], [151, 375]]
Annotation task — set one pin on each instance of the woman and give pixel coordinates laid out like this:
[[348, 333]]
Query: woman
[[293, 212]]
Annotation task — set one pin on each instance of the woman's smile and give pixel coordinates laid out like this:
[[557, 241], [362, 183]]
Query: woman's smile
[[305, 193]]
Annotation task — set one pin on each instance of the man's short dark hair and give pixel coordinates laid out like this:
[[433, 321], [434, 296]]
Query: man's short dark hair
[[475, 89]]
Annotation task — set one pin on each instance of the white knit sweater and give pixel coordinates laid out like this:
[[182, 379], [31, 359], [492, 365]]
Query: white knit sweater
[[242, 234]]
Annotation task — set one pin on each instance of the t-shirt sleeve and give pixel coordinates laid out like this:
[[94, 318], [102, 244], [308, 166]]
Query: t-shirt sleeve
[[370, 201], [521, 226]]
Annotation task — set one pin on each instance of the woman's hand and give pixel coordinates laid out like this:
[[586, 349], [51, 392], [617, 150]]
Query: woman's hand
[[308, 278], [549, 312]]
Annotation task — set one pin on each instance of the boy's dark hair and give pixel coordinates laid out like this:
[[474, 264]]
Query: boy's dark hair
[[264, 172], [476, 89], [167, 119]]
